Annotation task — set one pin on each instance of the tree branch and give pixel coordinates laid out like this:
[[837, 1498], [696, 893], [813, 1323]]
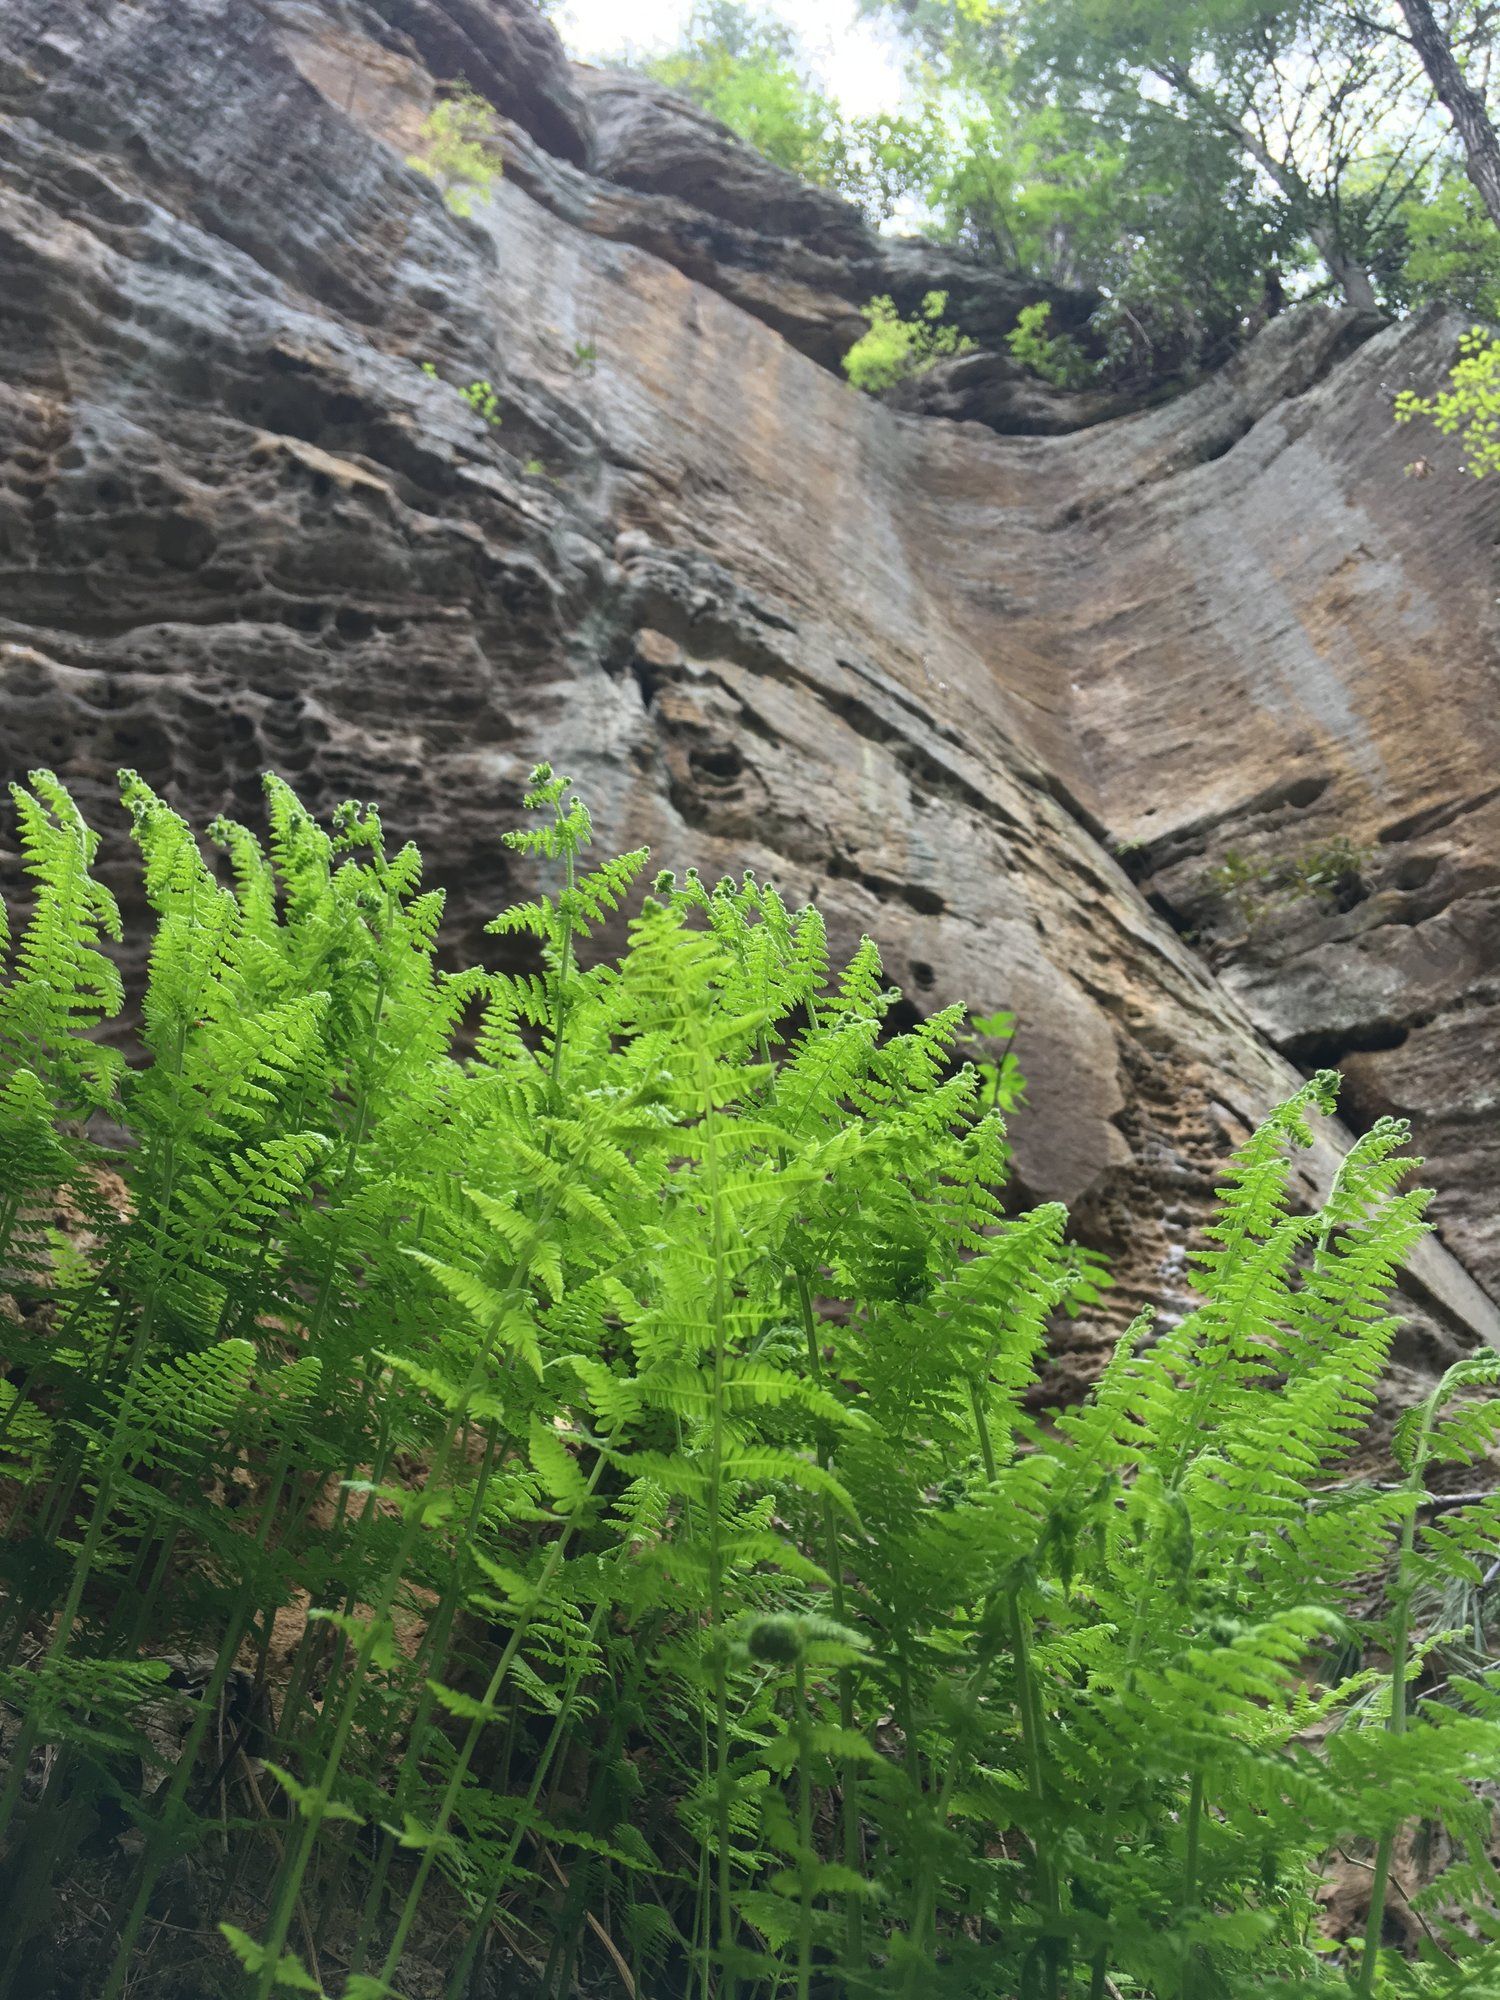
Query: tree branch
[[1464, 105]]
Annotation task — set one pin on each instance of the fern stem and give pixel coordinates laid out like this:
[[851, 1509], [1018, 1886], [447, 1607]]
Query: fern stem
[[1029, 1715], [500, 1875], [62, 1632], [1190, 1878], [156, 1854], [20, 1396], [1400, 1653], [703, 1925], [435, 1643], [720, 1663], [30, 1730], [575, 1914], [806, 1859], [564, 961], [304, 1661], [57, 1835], [291, 1878], [313, 1336], [450, 1795], [925, 1890], [438, 1831], [294, 1872], [982, 1427], [833, 1563]]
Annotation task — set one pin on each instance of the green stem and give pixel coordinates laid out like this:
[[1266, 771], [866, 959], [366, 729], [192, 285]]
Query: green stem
[[833, 1563], [62, 1631], [703, 1922], [292, 1875], [719, 1252], [471, 1739], [479, 1929], [982, 1427], [1190, 1877], [434, 1644], [1400, 1656], [8, 1216], [806, 1859], [289, 1726], [157, 1850], [564, 966], [1032, 1749]]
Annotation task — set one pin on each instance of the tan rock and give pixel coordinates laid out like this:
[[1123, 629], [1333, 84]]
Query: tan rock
[[921, 671]]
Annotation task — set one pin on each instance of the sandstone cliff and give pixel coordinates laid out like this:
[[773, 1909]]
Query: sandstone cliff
[[960, 685]]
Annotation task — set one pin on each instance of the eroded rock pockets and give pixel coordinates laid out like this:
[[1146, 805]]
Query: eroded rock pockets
[[909, 666]]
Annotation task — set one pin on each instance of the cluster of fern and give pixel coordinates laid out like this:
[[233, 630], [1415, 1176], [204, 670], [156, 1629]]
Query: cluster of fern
[[535, 1474]]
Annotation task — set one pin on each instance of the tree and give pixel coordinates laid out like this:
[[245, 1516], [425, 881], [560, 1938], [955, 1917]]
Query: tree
[[1305, 92], [1448, 252], [1163, 219], [1464, 104], [749, 70]]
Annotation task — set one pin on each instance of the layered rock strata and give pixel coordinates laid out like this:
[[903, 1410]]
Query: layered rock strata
[[960, 687]]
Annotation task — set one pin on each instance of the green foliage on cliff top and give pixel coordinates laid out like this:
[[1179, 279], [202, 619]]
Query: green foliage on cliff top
[[895, 349], [1195, 166], [748, 69]]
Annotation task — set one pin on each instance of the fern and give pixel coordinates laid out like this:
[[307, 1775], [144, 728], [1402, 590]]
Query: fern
[[621, 1377], [62, 984]]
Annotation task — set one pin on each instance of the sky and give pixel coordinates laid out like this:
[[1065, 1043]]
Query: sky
[[851, 56]]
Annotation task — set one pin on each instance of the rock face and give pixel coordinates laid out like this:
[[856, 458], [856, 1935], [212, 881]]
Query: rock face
[[928, 674], [1323, 613], [988, 387], [795, 256], [503, 49]]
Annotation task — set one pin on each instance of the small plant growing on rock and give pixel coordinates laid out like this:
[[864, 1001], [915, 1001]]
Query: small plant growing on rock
[[1470, 407], [1055, 357], [461, 149], [895, 349], [1003, 1087], [482, 400], [481, 396], [1334, 869], [1241, 882], [1252, 886]]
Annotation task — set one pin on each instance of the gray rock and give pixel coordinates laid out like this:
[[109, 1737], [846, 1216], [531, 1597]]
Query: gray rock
[[506, 51], [910, 667], [800, 258]]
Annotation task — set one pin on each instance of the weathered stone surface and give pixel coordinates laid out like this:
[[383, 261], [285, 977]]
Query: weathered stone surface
[[983, 387], [799, 258], [650, 139], [908, 666], [506, 51], [1288, 653]]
